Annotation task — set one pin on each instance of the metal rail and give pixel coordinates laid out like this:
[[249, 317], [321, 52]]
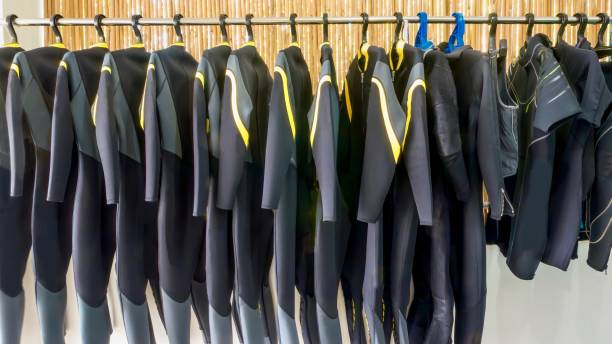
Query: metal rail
[[286, 20]]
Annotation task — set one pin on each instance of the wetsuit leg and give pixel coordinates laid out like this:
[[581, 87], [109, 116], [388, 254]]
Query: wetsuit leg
[[421, 308], [199, 295], [51, 246], [219, 269], [15, 243], [352, 278], [373, 282]]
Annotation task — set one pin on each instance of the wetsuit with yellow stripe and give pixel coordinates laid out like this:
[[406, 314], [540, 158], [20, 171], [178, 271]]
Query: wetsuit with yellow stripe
[[15, 216], [120, 141], [208, 89], [289, 190], [167, 111], [29, 105], [93, 221]]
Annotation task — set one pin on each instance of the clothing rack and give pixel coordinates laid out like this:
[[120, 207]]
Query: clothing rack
[[298, 20]]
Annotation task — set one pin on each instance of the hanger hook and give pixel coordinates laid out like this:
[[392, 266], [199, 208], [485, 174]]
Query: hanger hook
[[223, 27], [530, 23], [293, 29], [137, 33], [53, 24], [364, 27], [325, 27], [583, 20], [563, 17], [249, 26], [98, 25], [493, 20], [605, 20], [10, 26], [399, 24], [176, 22]]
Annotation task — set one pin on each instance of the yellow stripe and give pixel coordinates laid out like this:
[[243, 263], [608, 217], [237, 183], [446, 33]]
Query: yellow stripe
[[106, 69], [64, 65], [294, 44], [12, 45], [100, 45], [227, 44], [94, 109], [363, 51], [58, 45], [395, 146], [151, 66], [347, 98], [399, 50], [313, 131], [200, 77], [137, 45], [249, 43], [178, 44], [415, 84], [324, 43], [244, 133], [16, 69], [281, 72]]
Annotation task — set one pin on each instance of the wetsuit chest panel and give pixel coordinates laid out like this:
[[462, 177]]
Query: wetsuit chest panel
[[170, 136], [240, 101]]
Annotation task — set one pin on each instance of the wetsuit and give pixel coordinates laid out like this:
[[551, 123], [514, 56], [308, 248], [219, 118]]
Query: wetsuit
[[244, 122], [15, 232], [583, 71], [395, 186], [479, 127], [549, 100], [599, 199], [208, 89], [29, 104], [289, 189], [167, 112], [93, 222], [120, 140]]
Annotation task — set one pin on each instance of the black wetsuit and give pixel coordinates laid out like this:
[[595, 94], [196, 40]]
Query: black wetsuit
[[93, 222], [289, 189], [15, 216], [29, 104], [244, 122], [479, 127], [208, 89], [540, 83], [120, 140], [168, 124], [395, 192]]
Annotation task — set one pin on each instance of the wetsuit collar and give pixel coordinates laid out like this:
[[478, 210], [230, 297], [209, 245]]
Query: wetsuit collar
[[100, 45], [137, 45], [533, 45], [363, 52], [456, 53], [12, 45], [398, 48], [58, 45]]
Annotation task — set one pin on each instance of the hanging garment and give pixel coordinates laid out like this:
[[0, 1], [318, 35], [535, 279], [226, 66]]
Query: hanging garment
[[244, 122], [208, 88], [120, 140], [15, 216], [395, 175], [31, 87], [289, 190], [540, 84], [93, 222], [479, 126], [583, 72], [167, 112], [332, 226]]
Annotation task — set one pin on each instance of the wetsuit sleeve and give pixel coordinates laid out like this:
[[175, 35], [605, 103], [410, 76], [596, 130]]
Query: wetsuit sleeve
[[234, 136], [200, 145], [323, 143], [14, 119], [148, 114], [385, 131], [62, 137], [416, 144], [281, 135], [106, 133]]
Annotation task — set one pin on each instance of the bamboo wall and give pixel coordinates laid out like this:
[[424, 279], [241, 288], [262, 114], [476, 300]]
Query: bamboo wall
[[345, 39]]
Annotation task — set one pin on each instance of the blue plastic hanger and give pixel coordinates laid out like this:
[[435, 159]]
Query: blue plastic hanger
[[456, 38], [420, 41]]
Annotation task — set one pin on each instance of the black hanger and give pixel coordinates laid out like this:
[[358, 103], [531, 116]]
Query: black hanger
[[249, 26], [55, 29], [530, 23], [98, 25], [364, 27], [10, 22], [492, 31], [222, 27], [583, 20], [176, 22], [399, 25], [602, 49], [137, 33], [293, 29], [325, 27], [564, 18]]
